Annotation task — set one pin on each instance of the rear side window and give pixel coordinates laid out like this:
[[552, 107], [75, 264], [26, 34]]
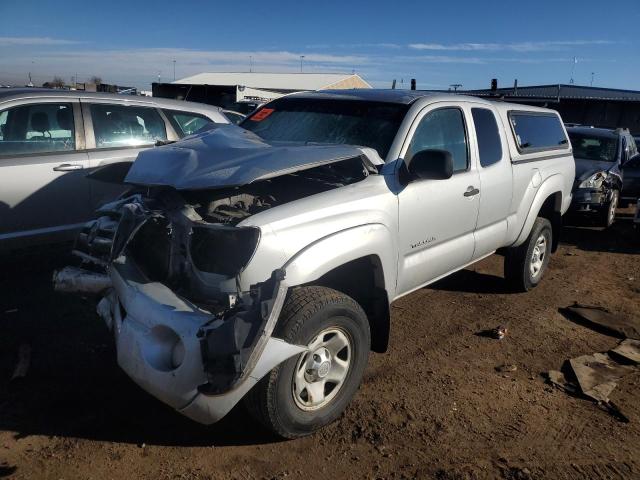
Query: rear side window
[[186, 123], [37, 128], [126, 126], [537, 131], [489, 143]]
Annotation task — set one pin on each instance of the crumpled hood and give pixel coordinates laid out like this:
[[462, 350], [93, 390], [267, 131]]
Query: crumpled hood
[[229, 156], [586, 168]]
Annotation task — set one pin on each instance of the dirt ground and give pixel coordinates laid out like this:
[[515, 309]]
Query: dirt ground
[[433, 406]]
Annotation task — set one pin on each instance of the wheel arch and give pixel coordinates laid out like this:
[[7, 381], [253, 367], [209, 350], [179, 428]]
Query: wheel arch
[[547, 204], [358, 262]]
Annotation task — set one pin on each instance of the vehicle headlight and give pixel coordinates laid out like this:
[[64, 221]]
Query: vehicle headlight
[[221, 249], [594, 181]]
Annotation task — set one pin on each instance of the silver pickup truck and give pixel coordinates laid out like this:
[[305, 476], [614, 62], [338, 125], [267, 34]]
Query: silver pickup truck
[[259, 261]]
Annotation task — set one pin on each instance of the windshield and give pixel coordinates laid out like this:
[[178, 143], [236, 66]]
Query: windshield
[[353, 122], [591, 147]]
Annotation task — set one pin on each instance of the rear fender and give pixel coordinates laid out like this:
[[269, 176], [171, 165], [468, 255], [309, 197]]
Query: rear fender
[[551, 186]]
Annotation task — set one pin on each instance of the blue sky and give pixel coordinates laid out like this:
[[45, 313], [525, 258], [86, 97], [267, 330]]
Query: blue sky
[[438, 43]]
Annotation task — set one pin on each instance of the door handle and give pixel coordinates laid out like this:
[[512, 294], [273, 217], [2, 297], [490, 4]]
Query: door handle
[[471, 191], [67, 167]]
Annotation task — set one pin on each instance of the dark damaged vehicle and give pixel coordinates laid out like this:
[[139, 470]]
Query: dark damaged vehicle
[[259, 261], [601, 156]]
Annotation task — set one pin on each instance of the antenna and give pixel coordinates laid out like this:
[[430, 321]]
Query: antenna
[[573, 69], [301, 58], [593, 74]]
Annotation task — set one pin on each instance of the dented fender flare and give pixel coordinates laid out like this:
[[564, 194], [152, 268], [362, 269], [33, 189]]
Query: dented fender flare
[[342, 247]]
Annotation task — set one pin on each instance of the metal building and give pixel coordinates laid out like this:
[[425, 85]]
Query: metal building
[[242, 91], [596, 106]]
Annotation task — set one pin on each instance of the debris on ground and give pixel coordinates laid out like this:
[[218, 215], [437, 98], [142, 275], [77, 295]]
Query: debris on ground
[[506, 368], [595, 376], [629, 349], [24, 360], [602, 319], [598, 374], [500, 332]]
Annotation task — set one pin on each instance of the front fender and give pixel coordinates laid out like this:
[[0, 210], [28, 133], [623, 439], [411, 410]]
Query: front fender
[[336, 249], [552, 185]]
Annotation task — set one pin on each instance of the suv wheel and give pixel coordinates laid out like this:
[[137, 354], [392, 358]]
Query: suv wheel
[[608, 214], [525, 265], [311, 390]]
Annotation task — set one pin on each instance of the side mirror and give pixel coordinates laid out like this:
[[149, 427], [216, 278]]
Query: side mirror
[[432, 164]]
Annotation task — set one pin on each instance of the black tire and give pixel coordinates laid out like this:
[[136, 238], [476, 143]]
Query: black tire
[[518, 260], [608, 212], [307, 312]]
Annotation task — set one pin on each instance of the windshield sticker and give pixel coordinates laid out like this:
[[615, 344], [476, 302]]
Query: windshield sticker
[[262, 114]]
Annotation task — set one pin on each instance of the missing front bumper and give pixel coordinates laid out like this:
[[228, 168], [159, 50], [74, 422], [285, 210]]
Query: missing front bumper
[[150, 322]]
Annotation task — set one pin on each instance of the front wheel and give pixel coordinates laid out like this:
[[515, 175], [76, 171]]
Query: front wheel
[[311, 390], [524, 265], [608, 214]]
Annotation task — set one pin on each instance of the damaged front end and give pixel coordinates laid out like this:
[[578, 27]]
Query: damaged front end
[[184, 329], [168, 261]]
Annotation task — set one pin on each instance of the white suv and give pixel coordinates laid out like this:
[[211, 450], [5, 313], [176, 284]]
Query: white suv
[[51, 139]]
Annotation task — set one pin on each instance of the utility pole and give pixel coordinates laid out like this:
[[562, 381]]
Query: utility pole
[[455, 86], [301, 58], [174, 70], [250, 64]]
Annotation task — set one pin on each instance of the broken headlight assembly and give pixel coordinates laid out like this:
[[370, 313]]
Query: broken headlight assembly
[[594, 181], [221, 249]]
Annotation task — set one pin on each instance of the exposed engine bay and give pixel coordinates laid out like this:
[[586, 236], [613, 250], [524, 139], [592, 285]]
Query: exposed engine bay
[[190, 240], [232, 205]]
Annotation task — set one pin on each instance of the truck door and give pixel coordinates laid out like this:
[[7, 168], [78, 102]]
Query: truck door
[[496, 182], [437, 218]]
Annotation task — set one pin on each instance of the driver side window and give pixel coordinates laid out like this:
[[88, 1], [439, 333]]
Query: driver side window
[[442, 129]]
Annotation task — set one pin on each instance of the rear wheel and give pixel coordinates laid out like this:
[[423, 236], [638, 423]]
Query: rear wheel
[[525, 265], [608, 213], [311, 390]]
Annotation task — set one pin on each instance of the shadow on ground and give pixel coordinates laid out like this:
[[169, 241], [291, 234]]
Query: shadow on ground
[[74, 387], [471, 281], [619, 238]]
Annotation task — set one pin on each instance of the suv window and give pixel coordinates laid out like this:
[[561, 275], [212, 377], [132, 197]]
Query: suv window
[[442, 129], [37, 128], [537, 131], [593, 147], [126, 126], [633, 146], [186, 123], [489, 143]]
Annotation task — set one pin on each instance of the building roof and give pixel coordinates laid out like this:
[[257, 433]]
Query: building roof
[[7, 94], [275, 81], [560, 92]]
